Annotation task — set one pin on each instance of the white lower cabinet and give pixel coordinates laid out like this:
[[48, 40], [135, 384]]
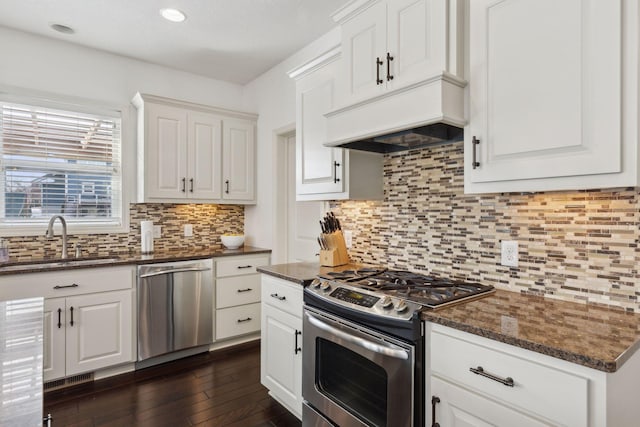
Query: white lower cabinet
[[237, 296], [512, 386], [281, 342], [88, 316], [87, 332]]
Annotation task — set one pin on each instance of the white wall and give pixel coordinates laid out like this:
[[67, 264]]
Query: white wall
[[272, 96]]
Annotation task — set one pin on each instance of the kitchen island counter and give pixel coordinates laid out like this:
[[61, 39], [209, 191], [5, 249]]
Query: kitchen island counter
[[594, 336]]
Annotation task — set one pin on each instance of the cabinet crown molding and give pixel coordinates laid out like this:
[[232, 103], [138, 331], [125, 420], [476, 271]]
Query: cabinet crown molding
[[316, 63], [352, 9], [140, 98]]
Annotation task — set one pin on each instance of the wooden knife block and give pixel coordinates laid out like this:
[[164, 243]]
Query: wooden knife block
[[337, 252]]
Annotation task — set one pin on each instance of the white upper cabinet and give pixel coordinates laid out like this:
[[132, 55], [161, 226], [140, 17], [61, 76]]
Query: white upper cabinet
[[238, 163], [325, 173], [546, 104], [194, 153], [392, 44]]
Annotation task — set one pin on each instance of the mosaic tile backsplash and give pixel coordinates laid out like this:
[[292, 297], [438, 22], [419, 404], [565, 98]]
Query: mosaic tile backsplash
[[577, 246], [209, 222]]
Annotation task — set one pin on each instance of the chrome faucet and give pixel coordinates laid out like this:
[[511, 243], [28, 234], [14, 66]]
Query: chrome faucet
[[49, 234]]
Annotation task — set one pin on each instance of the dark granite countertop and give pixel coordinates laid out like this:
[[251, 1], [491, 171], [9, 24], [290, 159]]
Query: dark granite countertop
[[135, 258], [594, 336], [302, 272]]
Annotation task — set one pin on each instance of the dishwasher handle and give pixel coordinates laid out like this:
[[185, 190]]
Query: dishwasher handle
[[173, 270]]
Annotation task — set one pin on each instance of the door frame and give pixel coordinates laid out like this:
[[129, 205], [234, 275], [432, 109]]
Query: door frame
[[281, 200]]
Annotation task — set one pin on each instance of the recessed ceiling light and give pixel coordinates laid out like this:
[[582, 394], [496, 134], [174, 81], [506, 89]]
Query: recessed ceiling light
[[173, 15], [62, 28]]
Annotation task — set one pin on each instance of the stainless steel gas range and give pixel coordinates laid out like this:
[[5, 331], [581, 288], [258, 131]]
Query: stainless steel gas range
[[363, 360]]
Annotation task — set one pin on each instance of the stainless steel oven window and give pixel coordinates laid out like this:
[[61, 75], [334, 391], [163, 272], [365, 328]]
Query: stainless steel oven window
[[355, 376], [352, 381]]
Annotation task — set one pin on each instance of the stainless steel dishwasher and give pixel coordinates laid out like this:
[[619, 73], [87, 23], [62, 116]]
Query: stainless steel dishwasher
[[175, 307]]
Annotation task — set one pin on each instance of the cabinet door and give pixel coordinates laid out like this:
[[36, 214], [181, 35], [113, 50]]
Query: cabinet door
[[166, 151], [319, 169], [53, 365], [459, 407], [101, 334], [545, 98], [363, 43], [238, 160], [281, 361], [416, 40], [204, 156]]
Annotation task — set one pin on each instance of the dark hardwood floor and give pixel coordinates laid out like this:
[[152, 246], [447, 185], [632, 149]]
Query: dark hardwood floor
[[215, 389]]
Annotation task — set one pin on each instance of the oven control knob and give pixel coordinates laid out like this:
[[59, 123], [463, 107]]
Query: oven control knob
[[386, 302], [326, 286], [315, 283], [401, 306]]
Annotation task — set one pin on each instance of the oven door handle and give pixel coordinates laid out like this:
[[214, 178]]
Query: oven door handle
[[369, 345]]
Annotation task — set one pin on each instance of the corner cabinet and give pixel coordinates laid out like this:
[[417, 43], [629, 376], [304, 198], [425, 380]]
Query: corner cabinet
[[512, 386], [190, 153], [325, 173], [553, 95], [281, 342], [88, 317]]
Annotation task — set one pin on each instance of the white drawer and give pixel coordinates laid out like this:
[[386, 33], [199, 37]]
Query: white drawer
[[544, 390], [240, 320], [68, 282], [240, 265], [238, 290], [282, 294]]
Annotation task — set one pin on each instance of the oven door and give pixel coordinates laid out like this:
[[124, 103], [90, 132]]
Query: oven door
[[355, 376]]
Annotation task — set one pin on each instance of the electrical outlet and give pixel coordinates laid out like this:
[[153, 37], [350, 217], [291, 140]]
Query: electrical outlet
[[157, 231], [188, 230], [509, 253], [348, 238]]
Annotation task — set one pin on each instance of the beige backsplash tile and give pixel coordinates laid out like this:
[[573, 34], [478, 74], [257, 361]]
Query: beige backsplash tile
[[209, 222], [576, 246]]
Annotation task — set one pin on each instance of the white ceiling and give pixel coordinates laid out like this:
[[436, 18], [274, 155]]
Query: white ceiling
[[231, 40]]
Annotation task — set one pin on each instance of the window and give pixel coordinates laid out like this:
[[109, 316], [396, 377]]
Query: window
[[59, 162]]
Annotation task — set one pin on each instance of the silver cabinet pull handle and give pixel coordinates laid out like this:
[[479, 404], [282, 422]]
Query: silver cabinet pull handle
[[244, 290], [75, 285], [480, 371], [276, 296]]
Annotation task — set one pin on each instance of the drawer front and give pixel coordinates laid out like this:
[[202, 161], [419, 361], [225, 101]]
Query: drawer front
[[70, 282], [282, 294], [236, 266], [543, 390], [239, 290], [234, 321]]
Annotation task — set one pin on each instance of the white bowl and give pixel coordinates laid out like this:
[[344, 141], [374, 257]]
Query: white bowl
[[232, 241]]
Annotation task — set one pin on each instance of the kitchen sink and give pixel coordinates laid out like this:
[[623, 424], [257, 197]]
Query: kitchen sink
[[45, 264]]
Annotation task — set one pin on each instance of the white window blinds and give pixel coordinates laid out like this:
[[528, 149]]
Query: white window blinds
[[59, 162]]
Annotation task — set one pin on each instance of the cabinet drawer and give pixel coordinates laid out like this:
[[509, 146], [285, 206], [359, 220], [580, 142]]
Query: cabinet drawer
[[240, 290], [239, 320], [88, 280], [240, 265], [540, 389], [285, 295]]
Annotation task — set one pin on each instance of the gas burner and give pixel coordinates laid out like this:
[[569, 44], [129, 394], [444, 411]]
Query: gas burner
[[352, 275]]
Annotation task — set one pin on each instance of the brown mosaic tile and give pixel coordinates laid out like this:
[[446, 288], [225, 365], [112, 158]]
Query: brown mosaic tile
[[577, 246], [209, 222]]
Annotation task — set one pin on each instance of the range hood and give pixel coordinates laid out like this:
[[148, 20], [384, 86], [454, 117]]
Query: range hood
[[424, 114]]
